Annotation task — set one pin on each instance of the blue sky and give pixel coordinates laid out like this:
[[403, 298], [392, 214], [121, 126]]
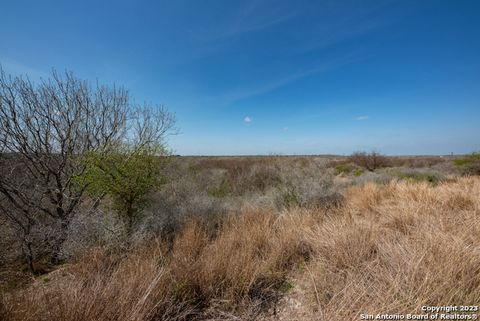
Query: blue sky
[[261, 77]]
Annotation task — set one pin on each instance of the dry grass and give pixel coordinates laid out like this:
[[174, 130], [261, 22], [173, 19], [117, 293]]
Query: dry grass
[[389, 248], [239, 267], [393, 249]]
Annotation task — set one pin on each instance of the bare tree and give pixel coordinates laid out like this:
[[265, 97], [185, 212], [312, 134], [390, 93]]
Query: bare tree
[[370, 161], [46, 129], [23, 225]]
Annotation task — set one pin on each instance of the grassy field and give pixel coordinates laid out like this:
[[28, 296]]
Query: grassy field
[[278, 238]]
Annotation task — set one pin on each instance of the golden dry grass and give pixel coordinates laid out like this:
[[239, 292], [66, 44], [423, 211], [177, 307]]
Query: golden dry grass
[[390, 249], [393, 249]]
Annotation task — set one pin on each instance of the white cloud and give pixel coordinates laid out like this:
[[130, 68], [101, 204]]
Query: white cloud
[[247, 119], [363, 117]]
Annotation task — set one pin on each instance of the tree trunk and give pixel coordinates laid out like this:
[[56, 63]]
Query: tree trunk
[[57, 246], [28, 253], [130, 218]]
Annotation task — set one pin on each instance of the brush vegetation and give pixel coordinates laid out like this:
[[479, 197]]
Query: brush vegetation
[[390, 248]]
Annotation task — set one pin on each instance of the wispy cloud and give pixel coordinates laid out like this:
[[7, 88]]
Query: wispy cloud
[[360, 118], [247, 119], [250, 17], [18, 69], [255, 16], [285, 129], [260, 89], [354, 24]]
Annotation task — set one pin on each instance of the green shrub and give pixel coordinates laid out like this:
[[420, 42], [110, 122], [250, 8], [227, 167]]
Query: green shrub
[[358, 172], [343, 168], [419, 177], [286, 287], [289, 198], [470, 164], [221, 190], [468, 159]]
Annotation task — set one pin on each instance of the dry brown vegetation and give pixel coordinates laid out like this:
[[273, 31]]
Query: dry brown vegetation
[[388, 249]]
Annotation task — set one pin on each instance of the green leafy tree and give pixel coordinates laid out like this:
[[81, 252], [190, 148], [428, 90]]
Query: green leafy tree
[[126, 176]]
